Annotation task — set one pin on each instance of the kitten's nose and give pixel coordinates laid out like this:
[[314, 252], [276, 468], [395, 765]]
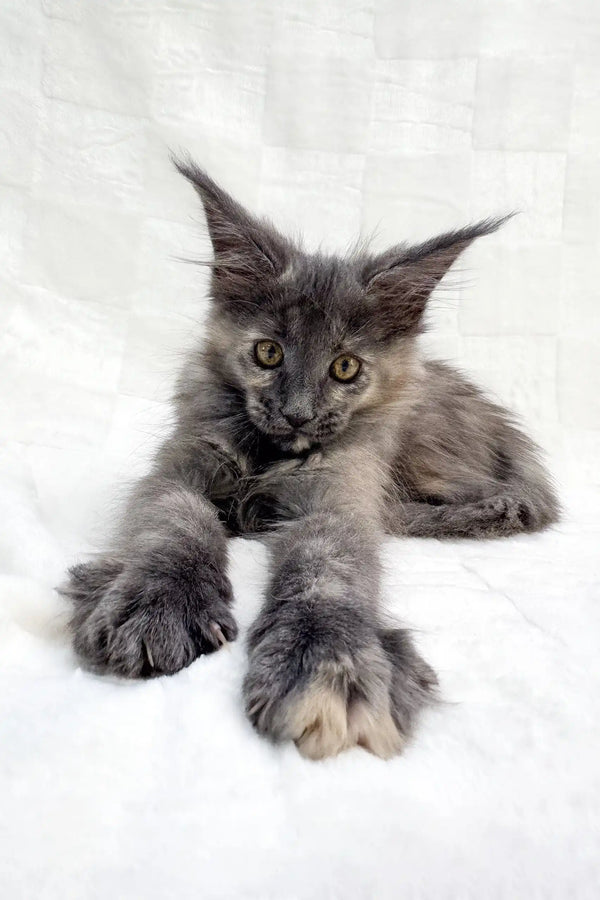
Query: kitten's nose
[[297, 419]]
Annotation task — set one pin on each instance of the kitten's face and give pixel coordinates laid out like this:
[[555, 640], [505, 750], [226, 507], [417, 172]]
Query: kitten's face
[[302, 356], [313, 340]]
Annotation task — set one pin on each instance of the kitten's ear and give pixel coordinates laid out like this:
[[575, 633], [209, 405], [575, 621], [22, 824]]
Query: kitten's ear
[[246, 250], [400, 280]]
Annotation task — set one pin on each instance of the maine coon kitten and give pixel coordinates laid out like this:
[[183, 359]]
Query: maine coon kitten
[[308, 404]]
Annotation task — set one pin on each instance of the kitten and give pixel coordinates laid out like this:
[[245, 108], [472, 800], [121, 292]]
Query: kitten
[[309, 405]]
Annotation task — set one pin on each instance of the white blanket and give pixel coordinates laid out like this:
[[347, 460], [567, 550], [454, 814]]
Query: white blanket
[[161, 789]]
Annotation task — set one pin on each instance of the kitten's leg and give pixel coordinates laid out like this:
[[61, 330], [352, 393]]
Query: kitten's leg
[[500, 490], [464, 468], [322, 670], [161, 597], [414, 683], [498, 515]]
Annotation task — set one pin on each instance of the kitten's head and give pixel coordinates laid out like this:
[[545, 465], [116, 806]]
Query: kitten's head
[[313, 341]]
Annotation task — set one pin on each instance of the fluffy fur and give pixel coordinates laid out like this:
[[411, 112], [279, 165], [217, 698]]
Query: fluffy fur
[[408, 447]]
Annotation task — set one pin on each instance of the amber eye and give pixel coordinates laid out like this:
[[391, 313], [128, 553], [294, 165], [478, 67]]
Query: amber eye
[[345, 367], [268, 354]]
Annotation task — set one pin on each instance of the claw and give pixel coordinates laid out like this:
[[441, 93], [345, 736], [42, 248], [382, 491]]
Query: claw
[[218, 634], [256, 707], [148, 654]]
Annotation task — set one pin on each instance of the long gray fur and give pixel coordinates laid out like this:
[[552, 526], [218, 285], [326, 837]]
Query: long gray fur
[[409, 447]]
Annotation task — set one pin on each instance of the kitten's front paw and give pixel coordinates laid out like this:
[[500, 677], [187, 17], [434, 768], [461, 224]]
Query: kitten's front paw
[[327, 698], [138, 621], [414, 683]]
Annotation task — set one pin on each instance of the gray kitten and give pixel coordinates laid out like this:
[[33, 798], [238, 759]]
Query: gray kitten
[[309, 408]]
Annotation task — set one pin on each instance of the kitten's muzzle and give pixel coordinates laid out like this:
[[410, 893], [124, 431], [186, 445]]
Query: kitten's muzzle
[[297, 420], [298, 409]]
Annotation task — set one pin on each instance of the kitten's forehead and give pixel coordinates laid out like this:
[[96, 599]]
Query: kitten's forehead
[[315, 298]]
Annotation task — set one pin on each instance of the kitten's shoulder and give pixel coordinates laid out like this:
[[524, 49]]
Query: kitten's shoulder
[[443, 380], [446, 397]]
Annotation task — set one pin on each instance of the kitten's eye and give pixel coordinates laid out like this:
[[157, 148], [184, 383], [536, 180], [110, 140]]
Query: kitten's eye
[[268, 354], [345, 367]]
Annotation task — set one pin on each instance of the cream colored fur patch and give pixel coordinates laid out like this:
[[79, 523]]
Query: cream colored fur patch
[[322, 723]]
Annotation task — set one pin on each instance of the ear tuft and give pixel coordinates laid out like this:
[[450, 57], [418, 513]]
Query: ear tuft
[[402, 278], [246, 249]]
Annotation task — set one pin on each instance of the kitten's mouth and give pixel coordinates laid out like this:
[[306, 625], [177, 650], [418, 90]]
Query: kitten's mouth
[[289, 439], [294, 440]]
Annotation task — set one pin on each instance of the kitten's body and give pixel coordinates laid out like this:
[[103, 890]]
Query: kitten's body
[[408, 447]]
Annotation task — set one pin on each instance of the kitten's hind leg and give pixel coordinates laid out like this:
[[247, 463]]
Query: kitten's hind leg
[[464, 469], [500, 515]]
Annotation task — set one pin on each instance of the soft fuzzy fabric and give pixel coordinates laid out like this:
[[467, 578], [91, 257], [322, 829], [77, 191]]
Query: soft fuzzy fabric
[[332, 118], [161, 788]]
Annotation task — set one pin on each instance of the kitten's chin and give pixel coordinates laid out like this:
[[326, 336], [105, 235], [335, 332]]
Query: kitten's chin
[[301, 443]]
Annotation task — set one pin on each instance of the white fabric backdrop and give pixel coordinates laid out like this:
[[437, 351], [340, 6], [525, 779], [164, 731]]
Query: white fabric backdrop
[[397, 118]]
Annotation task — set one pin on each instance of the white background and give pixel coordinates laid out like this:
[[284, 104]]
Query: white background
[[397, 119]]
